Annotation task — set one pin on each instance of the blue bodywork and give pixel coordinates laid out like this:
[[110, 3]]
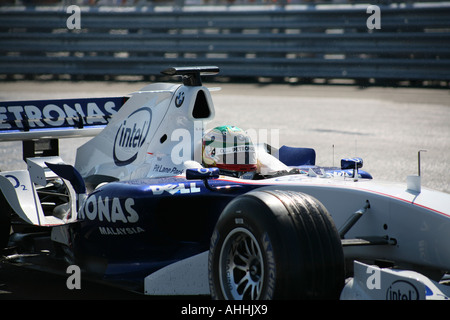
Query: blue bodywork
[[130, 229]]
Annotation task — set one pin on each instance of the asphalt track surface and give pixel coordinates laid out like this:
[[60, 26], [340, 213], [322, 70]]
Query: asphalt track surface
[[384, 126]]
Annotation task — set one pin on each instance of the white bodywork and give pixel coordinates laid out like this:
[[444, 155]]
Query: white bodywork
[[171, 119], [158, 132], [374, 283], [19, 188]]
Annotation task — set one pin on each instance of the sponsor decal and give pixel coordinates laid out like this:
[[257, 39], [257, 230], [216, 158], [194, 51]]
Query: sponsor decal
[[97, 208], [402, 290], [109, 231], [105, 209], [271, 271], [179, 188], [39, 114], [16, 182], [131, 135], [163, 169], [235, 149]]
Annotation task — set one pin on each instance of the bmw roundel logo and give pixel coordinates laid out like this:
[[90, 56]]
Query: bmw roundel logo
[[179, 99]]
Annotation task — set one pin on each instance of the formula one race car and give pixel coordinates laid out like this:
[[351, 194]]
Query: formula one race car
[[155, 204]]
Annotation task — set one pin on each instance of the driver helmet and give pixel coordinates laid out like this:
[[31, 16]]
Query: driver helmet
[[230, 149]]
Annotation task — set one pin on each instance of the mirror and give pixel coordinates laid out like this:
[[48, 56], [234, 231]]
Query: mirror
[[202, 173], [351, 163]]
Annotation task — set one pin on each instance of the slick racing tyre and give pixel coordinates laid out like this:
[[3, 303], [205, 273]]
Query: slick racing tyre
[[275, 244]]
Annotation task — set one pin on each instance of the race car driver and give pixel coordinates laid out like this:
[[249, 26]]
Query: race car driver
[[231, 149]]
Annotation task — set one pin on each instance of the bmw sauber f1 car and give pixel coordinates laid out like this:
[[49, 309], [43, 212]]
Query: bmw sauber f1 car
[[141, 208]]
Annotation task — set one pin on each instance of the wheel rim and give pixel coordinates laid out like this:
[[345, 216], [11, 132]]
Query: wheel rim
[[241, 266]]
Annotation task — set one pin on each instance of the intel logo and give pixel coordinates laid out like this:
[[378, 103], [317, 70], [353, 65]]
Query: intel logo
[[131, 136], [402, 290]]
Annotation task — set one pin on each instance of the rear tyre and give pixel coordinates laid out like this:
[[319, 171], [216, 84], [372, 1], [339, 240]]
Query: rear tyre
[[275, 244]]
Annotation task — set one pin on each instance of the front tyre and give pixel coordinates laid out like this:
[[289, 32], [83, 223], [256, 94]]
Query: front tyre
[[275, 245]]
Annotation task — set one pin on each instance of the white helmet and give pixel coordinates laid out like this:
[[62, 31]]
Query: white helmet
[[230, 149]]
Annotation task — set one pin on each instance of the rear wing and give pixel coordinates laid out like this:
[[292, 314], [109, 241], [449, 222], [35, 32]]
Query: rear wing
[[40, 123], [29, 120]]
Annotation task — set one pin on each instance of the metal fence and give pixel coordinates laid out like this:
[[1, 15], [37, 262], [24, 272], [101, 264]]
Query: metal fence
[[300, 44]]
